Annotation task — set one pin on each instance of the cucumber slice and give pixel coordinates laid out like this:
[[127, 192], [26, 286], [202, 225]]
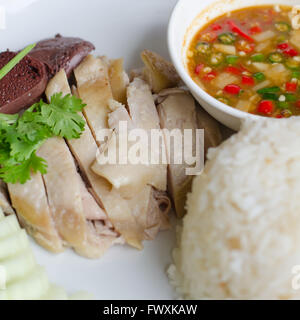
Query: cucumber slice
[[34, 286], [19, 266], [8, 226], [25, 280], [14, 244], [55, 293]]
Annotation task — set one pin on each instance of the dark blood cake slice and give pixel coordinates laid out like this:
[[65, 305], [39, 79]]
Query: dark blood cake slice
[[61, 52], [23, 85]]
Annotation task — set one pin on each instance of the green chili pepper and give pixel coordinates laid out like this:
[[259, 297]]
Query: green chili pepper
[[259, 76], [282, 26], [270, 96], [283, 105], [275, 57], [268, 90], [281, 38], [258, 57], [203, 47], [292, 64], [296, 74], [227, 38], [232, 59], [216, 58], [289, 97]]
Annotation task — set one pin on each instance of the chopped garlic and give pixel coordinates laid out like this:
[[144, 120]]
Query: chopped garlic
[[246, 73], [295, 80], [242, 53], [282, 98], [277, 8], [297, 58], [207, 69], [214, 60]]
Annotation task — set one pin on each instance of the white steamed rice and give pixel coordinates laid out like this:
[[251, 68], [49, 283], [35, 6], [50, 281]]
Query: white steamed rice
[[241, 236]]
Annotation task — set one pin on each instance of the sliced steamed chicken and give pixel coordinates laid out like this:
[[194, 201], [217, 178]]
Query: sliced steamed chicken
[[128, 179], [77, 214], [31, 204], [118, 80], [63, 191], [94, 89], [159, 73], [136, 216], [177, 110]]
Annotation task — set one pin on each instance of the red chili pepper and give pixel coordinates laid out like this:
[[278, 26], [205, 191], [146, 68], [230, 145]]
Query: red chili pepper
[[210, 76], [291, 86], [236, 29], [245, 46], [233, 70], [232, 89], [265, 107], [248, 81], [290, 52], [279, 116], [283, 46], [199, 68], [242, 68], [298, 104], [216, 27], [255, 29]]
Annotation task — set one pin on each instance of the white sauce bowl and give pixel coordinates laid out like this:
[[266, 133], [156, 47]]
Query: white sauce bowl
[[188, 17]]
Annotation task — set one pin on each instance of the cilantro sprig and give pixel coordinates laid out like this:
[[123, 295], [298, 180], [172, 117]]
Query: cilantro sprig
[[22, 135]]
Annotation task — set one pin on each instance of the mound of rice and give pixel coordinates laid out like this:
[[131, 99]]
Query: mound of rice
[[241, 236]]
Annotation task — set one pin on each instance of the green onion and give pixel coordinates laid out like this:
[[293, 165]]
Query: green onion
[[227, 38], [14, 61], [275, 57], [232, 59], [289, 97], [296, 74], [292, 64], [258, 57], [216, 58], [282, 26], [270, 96], [259, 76], [268, 90], [283, 105], [281, 38], [203, 47]]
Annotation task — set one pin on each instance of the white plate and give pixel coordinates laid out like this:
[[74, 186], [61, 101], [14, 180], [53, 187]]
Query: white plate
[[118, 28]]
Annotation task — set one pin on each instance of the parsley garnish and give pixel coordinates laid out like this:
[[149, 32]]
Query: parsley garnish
[[22, 135]]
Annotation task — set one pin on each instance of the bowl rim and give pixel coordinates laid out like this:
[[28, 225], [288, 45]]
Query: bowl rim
[[187, 79]]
